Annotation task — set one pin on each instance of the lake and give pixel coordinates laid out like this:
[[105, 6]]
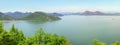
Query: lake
[[80, 30]]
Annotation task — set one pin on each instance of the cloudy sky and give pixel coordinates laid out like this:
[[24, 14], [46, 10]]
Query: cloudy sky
[[59, 5]]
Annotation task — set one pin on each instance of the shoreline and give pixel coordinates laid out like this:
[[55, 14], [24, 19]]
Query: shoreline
[[9, 20], [17, 20], [5, 20]]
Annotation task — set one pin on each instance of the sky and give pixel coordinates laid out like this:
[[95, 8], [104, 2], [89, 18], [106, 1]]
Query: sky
[[59, 5]]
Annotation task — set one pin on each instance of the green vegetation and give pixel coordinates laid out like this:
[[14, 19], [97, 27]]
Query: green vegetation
[[5, 17], [96, 42], [16, 37], [40, 16]]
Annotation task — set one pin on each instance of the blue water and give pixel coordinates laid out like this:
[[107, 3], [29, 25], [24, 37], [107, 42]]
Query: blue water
[[80, 30]]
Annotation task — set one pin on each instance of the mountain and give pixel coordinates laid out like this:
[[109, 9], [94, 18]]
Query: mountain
[[40, 16], [17, 14], [55, 14], [92, 13], [99, 13], [5, 17], [29, 16], [69, 13]]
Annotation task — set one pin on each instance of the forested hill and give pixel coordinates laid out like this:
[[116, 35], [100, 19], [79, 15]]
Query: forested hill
[[40, 16], [17, 14], [5, 17]]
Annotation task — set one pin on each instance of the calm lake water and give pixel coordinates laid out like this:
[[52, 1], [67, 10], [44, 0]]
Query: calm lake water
[[80, 30]]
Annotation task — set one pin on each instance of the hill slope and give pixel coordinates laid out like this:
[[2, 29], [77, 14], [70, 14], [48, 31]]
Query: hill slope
[[5, 17], [40, 16], [17, 14]]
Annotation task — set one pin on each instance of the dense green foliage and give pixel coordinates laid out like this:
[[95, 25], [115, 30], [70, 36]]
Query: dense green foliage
[[96, 42], [4, 17], [16, 37], [40, 16]]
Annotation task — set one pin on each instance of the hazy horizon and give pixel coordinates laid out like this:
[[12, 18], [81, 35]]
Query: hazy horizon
[[59, 5]]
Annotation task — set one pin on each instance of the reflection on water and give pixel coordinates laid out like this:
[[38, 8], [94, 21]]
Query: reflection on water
[[81, 30]]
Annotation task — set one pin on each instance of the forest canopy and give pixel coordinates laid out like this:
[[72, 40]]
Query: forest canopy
[[16, 37]]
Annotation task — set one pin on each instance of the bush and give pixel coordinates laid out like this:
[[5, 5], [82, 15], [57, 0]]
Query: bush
[[16, 37]]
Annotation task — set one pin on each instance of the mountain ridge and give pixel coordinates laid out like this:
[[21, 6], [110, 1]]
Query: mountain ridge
[[29, 16], [5, 17]]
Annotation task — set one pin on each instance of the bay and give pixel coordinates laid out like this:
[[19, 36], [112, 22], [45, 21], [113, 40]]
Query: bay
[[80, 30]]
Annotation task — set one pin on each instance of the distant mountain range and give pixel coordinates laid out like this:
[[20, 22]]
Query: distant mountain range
[[91, 13], [28, 16], [4, 17], [98, 13], [21, 14], [55, 14], [47, 16], [17, 14]]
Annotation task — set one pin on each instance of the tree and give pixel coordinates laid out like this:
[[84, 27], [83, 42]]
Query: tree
[[16, 37], [96, 42], [116, 43], [1, 28]]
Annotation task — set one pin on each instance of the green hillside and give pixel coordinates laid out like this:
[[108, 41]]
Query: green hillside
[[40, 16], [5, 17], [32, 16]]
